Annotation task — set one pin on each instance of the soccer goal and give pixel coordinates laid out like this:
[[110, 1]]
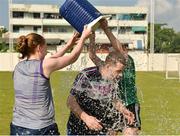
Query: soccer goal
[[173, 66]]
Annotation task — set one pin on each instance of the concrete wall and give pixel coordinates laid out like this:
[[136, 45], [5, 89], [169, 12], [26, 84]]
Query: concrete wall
[[143, 62], [8, 61]]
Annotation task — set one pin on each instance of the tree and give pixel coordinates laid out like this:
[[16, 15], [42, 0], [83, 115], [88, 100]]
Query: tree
[[3, 47], [165, 39], [2, 31], [176, 44]]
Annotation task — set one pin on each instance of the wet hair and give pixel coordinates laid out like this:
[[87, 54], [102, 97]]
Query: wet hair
[[114, 57], [26, 45]]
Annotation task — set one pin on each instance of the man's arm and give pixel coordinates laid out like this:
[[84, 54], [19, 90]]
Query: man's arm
[[114, 41], [92, 51], [90, 121], [73, 105]]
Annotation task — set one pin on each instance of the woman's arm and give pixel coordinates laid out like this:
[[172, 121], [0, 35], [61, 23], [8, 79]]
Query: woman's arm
[[52, 64]]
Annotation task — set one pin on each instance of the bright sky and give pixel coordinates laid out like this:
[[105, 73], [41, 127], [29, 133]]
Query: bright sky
[[166, 11]]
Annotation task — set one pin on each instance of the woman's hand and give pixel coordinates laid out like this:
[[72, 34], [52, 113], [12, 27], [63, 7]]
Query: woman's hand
[[86, 32], [74, 39]]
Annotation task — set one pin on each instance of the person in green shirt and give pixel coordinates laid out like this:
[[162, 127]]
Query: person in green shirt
[[127, 88], [128, 94], [127, 84]]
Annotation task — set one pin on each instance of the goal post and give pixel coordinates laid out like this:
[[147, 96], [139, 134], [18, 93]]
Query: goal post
[[173, 66]]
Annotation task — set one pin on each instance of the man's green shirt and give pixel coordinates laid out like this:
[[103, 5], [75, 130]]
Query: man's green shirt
[[127, 87]]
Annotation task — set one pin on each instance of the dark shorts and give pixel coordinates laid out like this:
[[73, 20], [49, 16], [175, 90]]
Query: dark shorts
[[135, 109], [49, 130]]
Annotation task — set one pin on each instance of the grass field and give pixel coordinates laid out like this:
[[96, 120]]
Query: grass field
[[159, 98]]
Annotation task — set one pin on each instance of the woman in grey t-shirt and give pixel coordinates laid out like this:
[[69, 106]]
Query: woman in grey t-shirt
[[33, 112]]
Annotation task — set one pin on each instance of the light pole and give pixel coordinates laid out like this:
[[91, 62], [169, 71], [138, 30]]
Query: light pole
[[152, 4], [152, 27], [10, 26], [10, 34]]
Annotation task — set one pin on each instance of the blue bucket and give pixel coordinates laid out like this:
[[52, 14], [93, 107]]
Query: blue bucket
[[79, 13]]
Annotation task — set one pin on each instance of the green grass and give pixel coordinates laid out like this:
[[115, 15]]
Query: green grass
[[159, 98]]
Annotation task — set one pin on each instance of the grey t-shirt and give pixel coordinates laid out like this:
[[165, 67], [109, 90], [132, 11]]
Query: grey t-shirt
[[34, 106]]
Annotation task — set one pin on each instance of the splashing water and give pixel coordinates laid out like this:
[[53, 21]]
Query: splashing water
[[104, 91], [101, 91], [97, 90]]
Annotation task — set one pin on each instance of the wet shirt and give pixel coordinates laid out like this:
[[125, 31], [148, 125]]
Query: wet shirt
[[127, 88], [33, 106], [94, 95]]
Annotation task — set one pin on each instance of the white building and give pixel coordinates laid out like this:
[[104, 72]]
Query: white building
[[129, 24]]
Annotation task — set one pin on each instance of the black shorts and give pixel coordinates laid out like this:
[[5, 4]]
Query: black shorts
[[135, 109]]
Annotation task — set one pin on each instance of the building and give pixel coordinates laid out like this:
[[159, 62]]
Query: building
[[129, 24]]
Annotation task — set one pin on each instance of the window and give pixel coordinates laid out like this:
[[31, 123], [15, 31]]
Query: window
[[18, 14], [139, 29], [36, 15], [16, 29], [51, 15], [124, 30], [36, 28], [132, 16], [57, 29]]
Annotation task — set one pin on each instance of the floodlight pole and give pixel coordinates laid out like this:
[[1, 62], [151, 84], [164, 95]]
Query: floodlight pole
[[10, 26], [152, 27], [152, 32]]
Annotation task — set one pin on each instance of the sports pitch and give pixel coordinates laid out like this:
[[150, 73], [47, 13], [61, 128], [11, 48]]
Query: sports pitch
[[159, 99]]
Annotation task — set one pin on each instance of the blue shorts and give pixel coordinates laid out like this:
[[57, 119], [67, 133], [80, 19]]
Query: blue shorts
[[49, 130]]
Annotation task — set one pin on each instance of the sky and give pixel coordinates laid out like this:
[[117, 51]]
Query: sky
[[166, 11]]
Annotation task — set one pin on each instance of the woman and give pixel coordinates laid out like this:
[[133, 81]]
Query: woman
[[34, 109]]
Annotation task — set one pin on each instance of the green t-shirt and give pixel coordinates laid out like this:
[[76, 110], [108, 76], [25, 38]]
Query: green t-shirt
[[127, 87]]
